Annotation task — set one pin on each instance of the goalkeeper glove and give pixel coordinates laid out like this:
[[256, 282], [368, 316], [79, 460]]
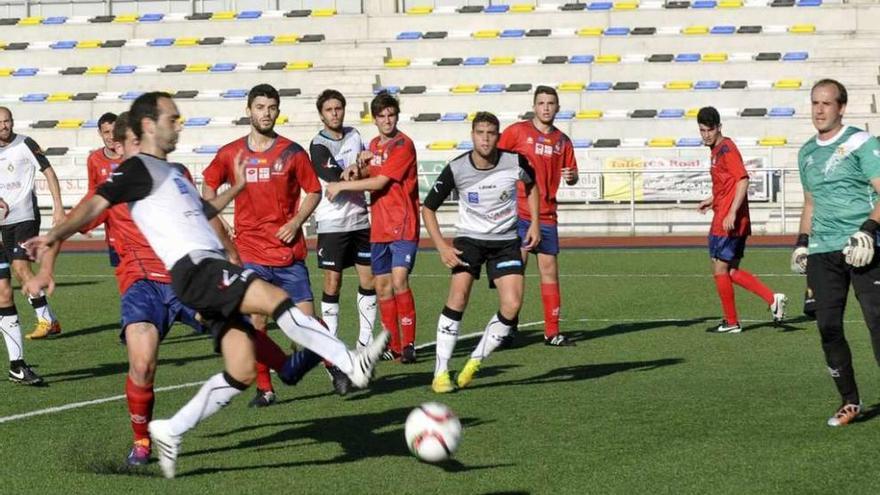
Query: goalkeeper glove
[[859, 250], [799, 256]]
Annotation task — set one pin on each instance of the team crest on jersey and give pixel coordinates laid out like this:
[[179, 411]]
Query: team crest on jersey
[[504, 196], [278, 166], [473, 198]]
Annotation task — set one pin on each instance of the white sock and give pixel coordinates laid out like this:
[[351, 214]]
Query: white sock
[[11, 333], [41, 307], [330, 314], [494, 333], [308, 332], [214, 395], [366, 304], [447, 335]]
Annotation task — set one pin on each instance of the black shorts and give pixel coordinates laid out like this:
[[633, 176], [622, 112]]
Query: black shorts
[[501, 257], [340, 250], [213, 287], [14, 235], [829, 278]]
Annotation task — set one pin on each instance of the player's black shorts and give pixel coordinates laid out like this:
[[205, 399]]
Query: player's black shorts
[[501, 257], [340, 250], [14, 235], [829, 277], [214, 287]]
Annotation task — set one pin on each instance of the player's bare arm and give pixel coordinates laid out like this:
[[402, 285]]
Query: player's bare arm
[[801, 250], [225, 239], [372, 184], [533, 234], [289, 230], [81, 215], [223, 199], [448, 253], [209, 193], [742, 187], [705, 205], [58, 213], [570, 176]]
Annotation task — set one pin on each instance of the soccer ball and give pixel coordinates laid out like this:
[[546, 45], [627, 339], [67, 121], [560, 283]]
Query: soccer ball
[[432, 432]]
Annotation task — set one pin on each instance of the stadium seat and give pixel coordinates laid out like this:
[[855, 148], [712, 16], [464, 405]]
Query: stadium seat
[[496, 9], [199, 16], [264, 39], [161, 42], [470, 9], [661, 142], [90, 124], [464, 88], [788, 84], [427, 117], [223, 67], [409, 35], [207, 149], [130, 95], [199, 67], [565, 115], [442, 145], [802, 29], [643, 114], [476, 61], [600, 6], [185, 94], [54, 20], [501, 60], [454, 117], [86, 96], [588, 114], [753, 112], [69, 124], [420, 10], [572, 7], [599, 86], [606, 143], [223, 15], [63, 45], [571, 86], [522, 8], [782, 3], [435, 35], [34, 97], [671, 113], [714, 57], [768, 56], [581, 59], [413, 90], [388, 89], [89, 44], [687, 57], [73, 71], [249, 14], [704, 4], [722, 30], [661, 57], [44, 124], [56, 97], [589, 31], [234, 94], [707, 85], [749, 29], [298, 65], [5, 71], [492, 88], [809, 3], [625, 86], [397, 63], [56, 151], [25, 72], [30, 21], [643, 31], [554, 59], [626, 5], [730, 4], [486, 34], [678, 85], [281, 120], [186, 41], [582, 143], [126, 18], [689, 142], [773, 141], [795, 56], [616, 31], [123, 69], [607, 59], [781, 112], [513, 33], [449, 61], [519, 87], [151, 17], [695, 30], [286, 39], [465, 145]]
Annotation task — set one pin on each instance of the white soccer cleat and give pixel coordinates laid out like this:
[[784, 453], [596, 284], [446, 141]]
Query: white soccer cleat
[[777, 308], [365, 359], [166, 444]]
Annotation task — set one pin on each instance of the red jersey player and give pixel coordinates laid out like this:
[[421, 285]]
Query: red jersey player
[[551, 155], [394, 215], [730, 224], [100, 163]]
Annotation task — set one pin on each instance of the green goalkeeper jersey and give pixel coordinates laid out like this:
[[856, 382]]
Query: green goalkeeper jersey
[[837, 172]]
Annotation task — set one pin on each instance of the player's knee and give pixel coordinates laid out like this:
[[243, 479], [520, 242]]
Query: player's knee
[[400, 284], [332, 282], [830, 324], [509, 308], [142, 371], [21, 270]]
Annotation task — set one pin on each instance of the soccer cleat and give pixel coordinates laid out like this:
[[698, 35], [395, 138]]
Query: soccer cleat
[[466, 375], [139, 455], [777, 309], [264, 398], [341, 383], [24, 375], [725, 327], [508, 340], [364, 360], [558, 340], [442, 384], [44, 329], [390, 355], [408, 356], [167, 444], [845, 415]]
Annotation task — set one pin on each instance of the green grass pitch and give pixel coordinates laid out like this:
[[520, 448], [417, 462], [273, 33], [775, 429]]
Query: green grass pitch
[[647, 402]]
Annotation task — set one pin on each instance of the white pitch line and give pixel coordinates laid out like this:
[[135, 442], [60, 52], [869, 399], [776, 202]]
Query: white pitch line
[[531, 275]]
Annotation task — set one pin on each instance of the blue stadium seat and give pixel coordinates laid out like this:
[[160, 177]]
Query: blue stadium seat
[[582, 143], [476, 61], [409, 35], [722, 30], [671, 113], [123, 69], [54, 20], [707, 85], [390, 89], [809, 3], [130, 95], [616, 31], [454, 117], [223, 67], [161, 42], [196, 121], [151, 17], [249, 14], [496, 9], [234, 93], [493, 88], [581, 59], [600, 5], [513, 33], [34, 97], [565, 115], [687, 57], [25, 72], [599, 86], [63, 45], [689, 142], [704, 4], [795, 56], [264, 39], [207, 149], [90, 124], [465, 145], [781, 112]]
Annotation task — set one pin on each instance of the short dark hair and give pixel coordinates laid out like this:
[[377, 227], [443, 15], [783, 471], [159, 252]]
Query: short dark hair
[[146, 106], [120, 126], [842, 97], [487, 117], [266, 90], [545, 90], [329, 94], [107, 118], [382, 101], [709, 117]]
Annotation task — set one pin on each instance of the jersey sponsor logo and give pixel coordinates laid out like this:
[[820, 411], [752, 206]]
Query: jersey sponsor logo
[[264, 174], [250, 175], [181, 185], [363, 254], [543, 149], [508, 264], [473, 198], [328, 263], [437, 186], [228, 279]]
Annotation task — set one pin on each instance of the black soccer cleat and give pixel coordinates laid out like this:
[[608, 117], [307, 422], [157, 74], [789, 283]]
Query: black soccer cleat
[[264, 398], [508, 341], [559, 340], [23, 374], [341, 382], [408, 356]]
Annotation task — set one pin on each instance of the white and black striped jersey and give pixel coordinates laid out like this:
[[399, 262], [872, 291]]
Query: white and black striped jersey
[[19, 162], [348, 211], [164, 205], [486, 198]]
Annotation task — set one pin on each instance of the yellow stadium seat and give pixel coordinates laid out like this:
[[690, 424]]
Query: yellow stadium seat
[[626, 5], [571, 86], [298, 65], [188, 41], [802, 29], [286, 39], [6, 71], [69, 124], [501, 60], [588, 114], [773, 141], [420, 10], [223, 15], [366, 118], [465, 88], [608, 59], [197, 68], [788, 84], [661, 142], [695, 30], [396, 63], [98, 70], [590, 31], [679, 85], [281, 120], [443, 145], [714, 57], [89, 44], [692, 113], [60, 97], [730, 4], [30, 21], [522, 8], [486, 33], [126, 18], [323, 12], [471, 116], [2, 45]]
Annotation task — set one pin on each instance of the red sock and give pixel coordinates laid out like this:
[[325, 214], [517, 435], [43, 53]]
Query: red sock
[[406, 311], [552, 303], [752, 284], [388, 310], [268, 355], [140, 407], [725, 291]]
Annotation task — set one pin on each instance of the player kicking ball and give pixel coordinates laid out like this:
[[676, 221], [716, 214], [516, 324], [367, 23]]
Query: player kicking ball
[[730, 224], [485, 180]]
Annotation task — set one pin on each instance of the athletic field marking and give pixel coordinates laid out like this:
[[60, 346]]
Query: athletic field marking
[[318, 276]]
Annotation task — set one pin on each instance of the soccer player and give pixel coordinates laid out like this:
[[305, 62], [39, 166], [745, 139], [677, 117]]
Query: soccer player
[[20, 157], [174, 219], [840, 174], [343, 223], [394, 233], [486, 180], [268, 214], [731, 225], [101, 163], [551, 155]]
